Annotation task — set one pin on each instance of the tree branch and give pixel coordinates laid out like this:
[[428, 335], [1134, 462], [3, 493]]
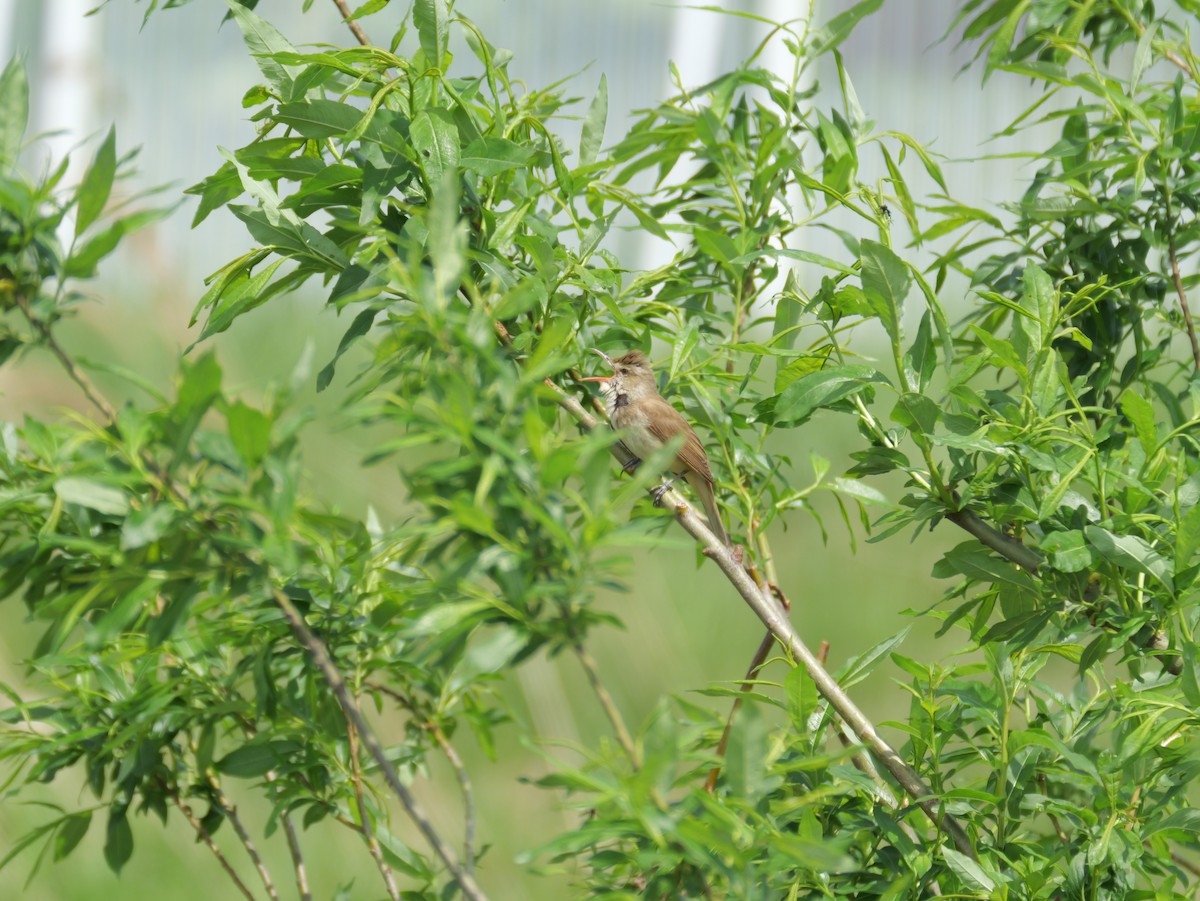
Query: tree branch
[[1180, 293], [352, 24], [205, 837], [297, 857], [77, 375], [364, 816], [230, 813], [767, 610], [333, 677]]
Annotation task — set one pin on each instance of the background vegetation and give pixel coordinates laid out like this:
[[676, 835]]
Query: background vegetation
[[212, 650]]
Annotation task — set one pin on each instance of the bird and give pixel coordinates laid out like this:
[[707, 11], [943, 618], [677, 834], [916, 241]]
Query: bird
[[646, 421]]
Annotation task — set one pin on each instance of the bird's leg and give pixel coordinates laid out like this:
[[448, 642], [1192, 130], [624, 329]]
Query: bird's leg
[[657, 493]]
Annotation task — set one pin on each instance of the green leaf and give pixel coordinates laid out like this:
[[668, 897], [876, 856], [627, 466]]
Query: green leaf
[[840, 26], [1130, 552], [1143, 54], [1039, 304], [921, 359], [491, 156], [1002, 40], [1141, 415], [71, 833], [746, 768], [262, 39], [821, 389], [118, 840], [916, 412], [92, 494], [885, 282], [592, 135], [319, 118], [250, 432], [14, 111], [96, 184], [435, 137], [1187, 537], [972, 560], [258, 759], [974, 878], [360, 326], [787, 313], [801, 367], [1067, 551], [146, 525], [433, 27]]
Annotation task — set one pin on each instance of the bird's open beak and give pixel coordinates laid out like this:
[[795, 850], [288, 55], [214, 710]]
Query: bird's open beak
[[601, 378]]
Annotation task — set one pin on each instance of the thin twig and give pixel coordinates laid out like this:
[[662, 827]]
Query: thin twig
[[1183, 301], [468, 794], [333, 677], [355, 28], [77, 375], [460, 769], [205, 837], [229, 810], [608, 704], [364, 824], [760, 657], [767, 610], [297, 857]]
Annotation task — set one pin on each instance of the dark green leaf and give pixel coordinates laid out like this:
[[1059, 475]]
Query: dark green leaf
[[118, 840], [258, 759]]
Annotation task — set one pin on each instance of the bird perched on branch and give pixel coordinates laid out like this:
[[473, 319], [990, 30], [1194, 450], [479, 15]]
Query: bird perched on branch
[[646, 422]]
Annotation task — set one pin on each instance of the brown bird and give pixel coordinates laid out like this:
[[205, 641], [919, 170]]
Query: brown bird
[[646, 421]]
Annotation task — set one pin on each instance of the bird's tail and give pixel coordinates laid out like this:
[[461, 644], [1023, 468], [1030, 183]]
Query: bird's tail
[[704, 490]]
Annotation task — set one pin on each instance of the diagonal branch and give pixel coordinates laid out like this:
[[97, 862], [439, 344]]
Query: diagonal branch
[[335, 681], [352, 24], [229, 811], [77, 375], [1180, 293], [207, 838], [364, 815]]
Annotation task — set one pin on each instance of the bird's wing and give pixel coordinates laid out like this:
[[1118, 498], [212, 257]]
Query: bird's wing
[[665, 422]]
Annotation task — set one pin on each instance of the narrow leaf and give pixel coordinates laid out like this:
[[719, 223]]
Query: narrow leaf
[[592, 135], [14, 110], [96, 184]]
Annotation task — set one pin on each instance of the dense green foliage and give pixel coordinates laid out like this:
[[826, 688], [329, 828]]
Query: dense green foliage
[[165, 546]]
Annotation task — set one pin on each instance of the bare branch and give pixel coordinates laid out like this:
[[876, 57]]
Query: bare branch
[[468, 794], [352, 24], [297, 857], [1189, 325], [364, 816], [230, 813], [205, 837], [333, 677], [77, 375]]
